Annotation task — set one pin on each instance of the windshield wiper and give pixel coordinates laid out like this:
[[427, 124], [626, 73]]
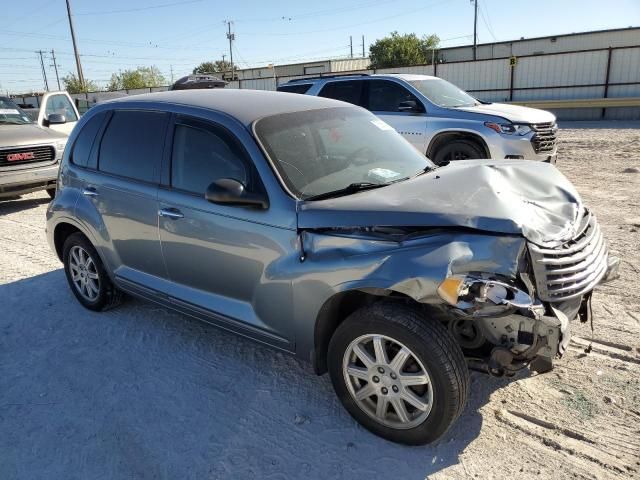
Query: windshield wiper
[[349, 189]]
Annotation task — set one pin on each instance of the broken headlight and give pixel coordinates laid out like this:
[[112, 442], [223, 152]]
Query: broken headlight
[[478, 296]]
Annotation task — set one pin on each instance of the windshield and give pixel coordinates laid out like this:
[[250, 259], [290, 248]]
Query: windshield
[[443, 93], [322, 151], [10, 113]]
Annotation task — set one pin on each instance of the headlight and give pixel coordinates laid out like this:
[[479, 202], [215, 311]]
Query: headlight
[[509, 128], [60, 145], [479, 296]]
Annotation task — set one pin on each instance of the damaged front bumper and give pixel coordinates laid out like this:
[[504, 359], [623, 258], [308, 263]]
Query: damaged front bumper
[[523, 330]]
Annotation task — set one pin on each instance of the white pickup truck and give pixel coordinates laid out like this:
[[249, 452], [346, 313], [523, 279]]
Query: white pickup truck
[[32, 141]]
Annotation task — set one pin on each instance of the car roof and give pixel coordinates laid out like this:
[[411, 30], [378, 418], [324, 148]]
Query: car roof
[[409, 77], [246, 106]]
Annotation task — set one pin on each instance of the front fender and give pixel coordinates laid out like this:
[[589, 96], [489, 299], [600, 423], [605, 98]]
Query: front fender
[[340, 263]]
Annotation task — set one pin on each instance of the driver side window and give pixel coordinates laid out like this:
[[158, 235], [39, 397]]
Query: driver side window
[[386, 96], [60, 104], [203, 154]]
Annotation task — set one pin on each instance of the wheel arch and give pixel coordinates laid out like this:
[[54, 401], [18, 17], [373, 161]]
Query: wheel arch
[[336, 309], [442, 138]]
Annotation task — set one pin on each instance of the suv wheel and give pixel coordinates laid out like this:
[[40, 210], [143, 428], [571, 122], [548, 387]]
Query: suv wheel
[[458, 150], [86, 275], [399, 374]]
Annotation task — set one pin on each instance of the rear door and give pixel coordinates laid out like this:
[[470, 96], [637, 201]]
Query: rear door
[[61, 103], [124, 191], [383, 98]]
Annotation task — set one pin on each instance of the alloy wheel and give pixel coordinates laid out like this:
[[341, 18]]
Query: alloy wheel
[[84, 273], [388, 381]]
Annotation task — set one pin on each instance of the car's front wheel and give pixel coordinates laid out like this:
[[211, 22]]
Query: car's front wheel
[[458, 150], [86, 275], [398, 373]]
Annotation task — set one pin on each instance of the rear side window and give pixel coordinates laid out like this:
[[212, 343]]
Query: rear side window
[[132, 144], [203, 153], [385, 96], [86, 137], [62, 105], [298, 88], [346, 91]]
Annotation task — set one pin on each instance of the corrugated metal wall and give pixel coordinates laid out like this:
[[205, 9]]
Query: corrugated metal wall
[[573, 75]]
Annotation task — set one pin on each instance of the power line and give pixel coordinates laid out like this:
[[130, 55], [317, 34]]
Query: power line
[[140, 9], [485, 19]]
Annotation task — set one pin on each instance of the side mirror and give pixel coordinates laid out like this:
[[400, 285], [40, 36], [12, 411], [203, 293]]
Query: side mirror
[[56, 119], [227, 191], [409, 106]]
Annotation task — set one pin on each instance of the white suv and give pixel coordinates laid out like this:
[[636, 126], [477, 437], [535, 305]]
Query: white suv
[[440, 119]]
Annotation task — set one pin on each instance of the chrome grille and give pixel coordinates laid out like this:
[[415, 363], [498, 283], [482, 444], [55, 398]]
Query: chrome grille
[[572, 269], [544, 139], [41, 153]]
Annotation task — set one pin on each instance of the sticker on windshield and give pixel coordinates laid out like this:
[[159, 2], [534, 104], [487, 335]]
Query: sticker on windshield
[[382, 175], [9, 111], [381, 125]]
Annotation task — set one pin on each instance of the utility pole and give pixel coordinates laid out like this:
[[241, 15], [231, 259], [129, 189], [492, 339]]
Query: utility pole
[[363, 55], [475, 29], [171, 69], [75, 47], [231, 36], [44, 72], [55, 65], [351, 45]]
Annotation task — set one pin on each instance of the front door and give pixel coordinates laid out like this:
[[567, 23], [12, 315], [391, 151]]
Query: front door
[[61, 104], [384, 97], [222, 260]]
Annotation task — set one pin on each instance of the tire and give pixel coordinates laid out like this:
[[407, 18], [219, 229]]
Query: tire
[[103, 294], [51, 192], [432, 349], [458, 150]]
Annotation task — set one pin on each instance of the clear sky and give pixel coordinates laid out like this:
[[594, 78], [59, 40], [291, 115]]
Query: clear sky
[[120, 34]]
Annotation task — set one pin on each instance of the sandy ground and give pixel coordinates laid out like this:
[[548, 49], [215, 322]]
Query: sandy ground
[[141, 392]]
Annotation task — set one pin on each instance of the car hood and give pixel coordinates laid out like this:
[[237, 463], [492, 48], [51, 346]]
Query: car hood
[[516, 197], [29, 134], [513, 113]]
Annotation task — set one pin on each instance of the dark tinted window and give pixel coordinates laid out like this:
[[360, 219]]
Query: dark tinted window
[[299, 88], [385, 96], [203, 153], [347, 91], [86, 137], [132, 144]]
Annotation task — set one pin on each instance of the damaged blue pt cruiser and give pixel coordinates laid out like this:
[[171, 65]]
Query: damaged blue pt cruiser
[[312, 226]]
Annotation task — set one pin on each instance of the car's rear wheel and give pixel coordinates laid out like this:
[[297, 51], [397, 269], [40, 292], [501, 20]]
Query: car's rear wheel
[[86, 275], [458, 150], [398, 373]]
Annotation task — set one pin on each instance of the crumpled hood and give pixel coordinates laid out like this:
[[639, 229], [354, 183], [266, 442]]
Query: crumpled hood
[[513, 113], [517, 197], [28, 134]]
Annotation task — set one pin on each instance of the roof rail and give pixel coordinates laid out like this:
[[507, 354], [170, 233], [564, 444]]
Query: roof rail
[[329, 76]]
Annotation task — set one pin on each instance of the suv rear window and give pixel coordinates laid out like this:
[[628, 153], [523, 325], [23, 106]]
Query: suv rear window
[[132, 144], [297, 88], [348, 91]]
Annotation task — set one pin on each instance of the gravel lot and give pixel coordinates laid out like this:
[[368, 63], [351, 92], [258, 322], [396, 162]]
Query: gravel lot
[[141, 392]]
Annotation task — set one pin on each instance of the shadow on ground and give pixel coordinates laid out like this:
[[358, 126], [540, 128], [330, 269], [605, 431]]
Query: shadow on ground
[[17, 204], [141, 392]]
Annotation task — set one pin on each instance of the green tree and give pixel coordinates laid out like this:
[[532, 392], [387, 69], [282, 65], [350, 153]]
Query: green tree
[[402, 50], [213, 67], [141, 77], [72, 84]]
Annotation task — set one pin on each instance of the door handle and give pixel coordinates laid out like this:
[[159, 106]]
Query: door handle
[[172, 213], [90, 192]]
